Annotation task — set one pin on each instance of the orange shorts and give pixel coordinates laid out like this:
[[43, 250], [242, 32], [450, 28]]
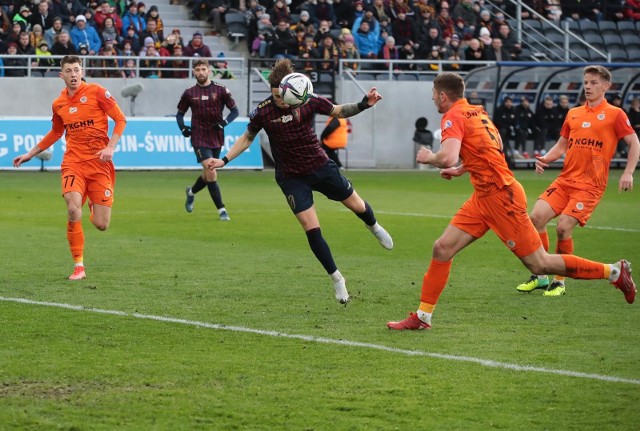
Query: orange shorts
[[92, 178], [505, 213], [574, 200]]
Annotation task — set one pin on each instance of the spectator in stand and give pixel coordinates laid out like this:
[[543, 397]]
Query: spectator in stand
[[435, 57], [381, 11], [323, 29], [485, 37], [631, 10], [106, 10], [261, 42], [85, 34], [129, 70], [582, 9], [283, 42], [454, 52], [220, 69], [485, 22], [407, 53], [14, 67], [344, 13], [322, 11], [525, 126], [463, 31], [142, 11], [279, 11], [16, 28], [168, 45], [89, 14], [389, 52], [133, 39], [179, 68], [300, 33], [216, 10], [154, 15], [348, 51], [432, 38], [132, 19], [546, 122], [24, 45], [176, 33], [366, 38], [63, 46], [150, 63], [328, 51], [634, 114], [68, 10], [358, 10], [45, 62], [398, 6], [109, 31], [509, 41], [474, 52], [147, 42], [51, 35], [498, 20], [104, 66], [5, 24], [42, 16], [153, 33], [305, 53], [403, 28], [36, 35], [305, 20], [445, 22], [24, 16], [562, 110], [496, 52], [196, 48], [464, 10]]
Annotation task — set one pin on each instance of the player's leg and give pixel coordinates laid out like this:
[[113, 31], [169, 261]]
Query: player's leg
[[564, 245], [100, 178], [299, 196], [75, 233], [465, 227], [198, 185], [211, 179], [618, 274], [435, 279]]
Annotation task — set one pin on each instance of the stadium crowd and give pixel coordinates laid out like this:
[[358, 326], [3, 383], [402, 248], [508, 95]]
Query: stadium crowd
[[454, 30]]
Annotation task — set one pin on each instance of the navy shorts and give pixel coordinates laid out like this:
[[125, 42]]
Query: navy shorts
[[327, 180], [203, 153]]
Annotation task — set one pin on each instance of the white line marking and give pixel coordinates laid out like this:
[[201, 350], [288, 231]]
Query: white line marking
[[310, 338]]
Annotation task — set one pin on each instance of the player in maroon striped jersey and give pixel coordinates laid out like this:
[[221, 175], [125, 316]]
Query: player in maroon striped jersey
[[302, 166], [207, 100]]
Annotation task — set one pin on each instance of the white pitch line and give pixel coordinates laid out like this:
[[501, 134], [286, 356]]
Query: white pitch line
[[310, 338]]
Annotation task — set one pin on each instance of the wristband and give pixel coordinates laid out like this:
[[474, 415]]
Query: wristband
[[225, 160], [364, 104]]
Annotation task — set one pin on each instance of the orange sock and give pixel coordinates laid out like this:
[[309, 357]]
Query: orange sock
[[75, 236], [544, 237], [433, 284], [578, 267], [564, 246]]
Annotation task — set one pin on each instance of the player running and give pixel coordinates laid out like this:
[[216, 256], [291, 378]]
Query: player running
[[589, 138], [302, 166], [498, 203], [87, 171]]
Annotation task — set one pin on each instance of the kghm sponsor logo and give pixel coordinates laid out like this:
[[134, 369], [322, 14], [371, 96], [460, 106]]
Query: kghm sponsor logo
[[586, 142], [78, 125]]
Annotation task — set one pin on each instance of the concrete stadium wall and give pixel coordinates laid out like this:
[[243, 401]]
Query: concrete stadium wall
[[382, 136]]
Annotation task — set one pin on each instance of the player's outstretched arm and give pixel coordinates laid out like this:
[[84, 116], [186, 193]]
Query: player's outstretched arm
[[456, 171], [447, 157], [552, 155], [350, 109], [626, 179], [241, 144], [49, 139]]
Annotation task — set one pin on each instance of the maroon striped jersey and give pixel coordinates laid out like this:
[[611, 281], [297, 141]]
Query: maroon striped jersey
[[207, 105], [294, 144]]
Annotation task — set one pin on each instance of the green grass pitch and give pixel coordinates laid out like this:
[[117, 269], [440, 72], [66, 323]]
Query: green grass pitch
[[190, 323]]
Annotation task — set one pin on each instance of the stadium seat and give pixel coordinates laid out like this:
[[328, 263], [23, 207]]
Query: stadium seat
[[626, 27], [236, 27], [588, 27], [633, 54], [384, 77], [612, 41], [618, 55], [594, 40], [608, 27], [574, 27], [531, 24], [365, 77], [549, 28], [407, 77], [556, 38], [579, 55], [631, 41]]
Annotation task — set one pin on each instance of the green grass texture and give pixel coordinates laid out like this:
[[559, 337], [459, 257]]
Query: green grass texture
[[185, 322]]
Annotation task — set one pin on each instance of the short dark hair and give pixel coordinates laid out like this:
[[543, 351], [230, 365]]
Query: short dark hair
[[70, 59], [201, 63], [451, 84]]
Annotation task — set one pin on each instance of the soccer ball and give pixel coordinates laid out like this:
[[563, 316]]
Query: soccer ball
[[295, 89]]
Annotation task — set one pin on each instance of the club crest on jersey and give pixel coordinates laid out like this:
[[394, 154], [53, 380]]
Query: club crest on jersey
[[73, 110], [83, 99], [107, 94], [204, 97], [586, 125], [448, 124], [600, 117]]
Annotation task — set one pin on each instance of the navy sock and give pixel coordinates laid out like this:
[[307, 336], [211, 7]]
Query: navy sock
[[367, 216], [214, 191], [320, 248], [198, 185]]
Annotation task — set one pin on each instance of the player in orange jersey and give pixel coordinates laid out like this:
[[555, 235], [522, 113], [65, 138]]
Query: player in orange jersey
[[588, 138], [498, 203], [80, 113]]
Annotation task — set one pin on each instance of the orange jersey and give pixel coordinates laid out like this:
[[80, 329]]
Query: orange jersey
[[593, 135], [84, 121], [481, 149]]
